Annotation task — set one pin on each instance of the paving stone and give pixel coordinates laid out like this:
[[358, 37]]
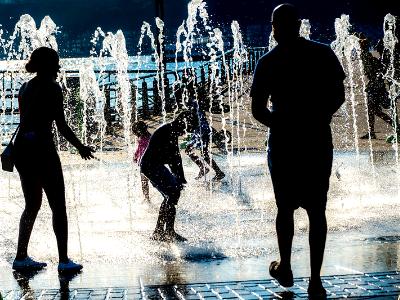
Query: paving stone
[[191, 297], [201, 289], [250, 296], [355, 286], [207, 294]]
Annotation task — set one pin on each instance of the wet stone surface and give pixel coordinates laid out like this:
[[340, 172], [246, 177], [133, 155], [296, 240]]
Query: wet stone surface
[[383, 285]]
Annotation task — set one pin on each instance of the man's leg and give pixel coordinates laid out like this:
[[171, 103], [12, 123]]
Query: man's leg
[[316, 214], [282, 271], [285, 232], [317, 239], [283, 184]]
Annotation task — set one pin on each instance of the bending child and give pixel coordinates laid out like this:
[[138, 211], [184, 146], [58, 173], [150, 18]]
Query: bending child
[[140, 129], [163, 150]]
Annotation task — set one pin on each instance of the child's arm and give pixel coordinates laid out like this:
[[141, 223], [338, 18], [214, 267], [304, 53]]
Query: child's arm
[[176, 166]]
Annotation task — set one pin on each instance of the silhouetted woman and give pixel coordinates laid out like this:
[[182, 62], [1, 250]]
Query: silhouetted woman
[[37, 161]]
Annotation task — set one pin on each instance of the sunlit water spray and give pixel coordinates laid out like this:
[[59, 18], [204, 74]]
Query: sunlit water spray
[[106, 224], [344, 46], [114, 44], [389, 42]]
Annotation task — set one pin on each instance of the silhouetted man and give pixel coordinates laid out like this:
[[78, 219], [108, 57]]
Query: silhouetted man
[[304, 82]]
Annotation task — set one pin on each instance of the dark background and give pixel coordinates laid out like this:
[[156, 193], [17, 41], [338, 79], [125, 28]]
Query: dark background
[[79, 18]]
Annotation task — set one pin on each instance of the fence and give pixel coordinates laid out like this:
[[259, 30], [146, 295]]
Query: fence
[[146, 100]]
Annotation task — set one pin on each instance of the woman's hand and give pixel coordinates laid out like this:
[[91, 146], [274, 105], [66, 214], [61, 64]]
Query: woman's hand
[[86, 152]]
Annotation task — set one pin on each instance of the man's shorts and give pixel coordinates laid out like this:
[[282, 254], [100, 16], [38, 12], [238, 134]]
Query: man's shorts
[[164, 181], [300, 179]]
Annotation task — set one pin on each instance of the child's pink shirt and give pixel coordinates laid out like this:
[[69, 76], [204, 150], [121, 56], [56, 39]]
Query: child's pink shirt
[[143, 142]]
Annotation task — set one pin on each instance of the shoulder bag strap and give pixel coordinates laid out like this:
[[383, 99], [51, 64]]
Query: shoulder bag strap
[[14, 134]]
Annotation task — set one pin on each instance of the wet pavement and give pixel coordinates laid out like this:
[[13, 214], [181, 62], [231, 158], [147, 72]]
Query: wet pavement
[[382, 285]]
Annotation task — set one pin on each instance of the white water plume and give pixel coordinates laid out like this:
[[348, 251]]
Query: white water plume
[[93, 99], [114, 44], [30, 37], [305, 29]]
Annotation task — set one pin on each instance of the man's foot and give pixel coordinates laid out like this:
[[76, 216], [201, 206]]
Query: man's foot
[[27, 264], [368, 135], [284, 277], [202, 173], [218, 177], [69, 267], [316, 290], [175, 237]]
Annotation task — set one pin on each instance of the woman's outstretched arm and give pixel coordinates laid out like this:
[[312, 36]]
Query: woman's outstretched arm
[[66, 131]]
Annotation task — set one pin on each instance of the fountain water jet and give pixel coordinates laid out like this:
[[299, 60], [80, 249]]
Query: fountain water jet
[[235, 210]]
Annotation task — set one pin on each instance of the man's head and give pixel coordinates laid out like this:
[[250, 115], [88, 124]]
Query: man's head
[[186, 121], [285, 23]]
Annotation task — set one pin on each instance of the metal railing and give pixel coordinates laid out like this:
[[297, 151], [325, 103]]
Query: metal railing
[[145, 97]]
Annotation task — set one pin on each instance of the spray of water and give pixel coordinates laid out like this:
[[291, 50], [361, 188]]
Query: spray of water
[[93, 99], [114, 45], [147, 32], [344, 46], [161, 67], [305, 29], [389, 42]]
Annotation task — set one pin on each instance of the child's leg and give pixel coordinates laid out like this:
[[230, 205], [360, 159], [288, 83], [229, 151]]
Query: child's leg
[[170, 232], [197, 160], [167, 184], [145, 187], [218, 172], [162, 218]]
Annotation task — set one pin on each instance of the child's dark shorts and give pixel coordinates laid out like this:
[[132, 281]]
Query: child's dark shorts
[[164, 181]]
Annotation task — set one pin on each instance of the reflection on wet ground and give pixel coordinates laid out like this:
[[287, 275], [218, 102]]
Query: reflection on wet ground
[[230, 226]]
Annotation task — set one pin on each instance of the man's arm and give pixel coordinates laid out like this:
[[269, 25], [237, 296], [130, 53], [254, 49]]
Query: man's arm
[[338, 97], [259, 96], [338, 92], [260, 110]]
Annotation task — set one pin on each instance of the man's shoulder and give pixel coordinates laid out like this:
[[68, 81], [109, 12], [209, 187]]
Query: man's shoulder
[[271, 54], [268, 58], [318, 48]]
